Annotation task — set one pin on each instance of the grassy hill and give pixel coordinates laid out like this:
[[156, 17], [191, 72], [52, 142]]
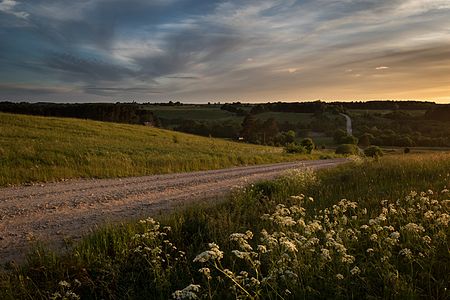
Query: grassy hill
[[44, 149]]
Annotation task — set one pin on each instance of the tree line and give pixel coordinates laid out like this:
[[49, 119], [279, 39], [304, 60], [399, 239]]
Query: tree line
[[130, 113]]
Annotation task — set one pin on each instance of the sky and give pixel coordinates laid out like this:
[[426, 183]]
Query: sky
[[238, 50]]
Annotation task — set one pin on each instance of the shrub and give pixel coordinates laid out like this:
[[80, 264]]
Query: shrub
[[373, 151], [308, 144], [294, 148], [347, 149], [349, 139], [406, 150]]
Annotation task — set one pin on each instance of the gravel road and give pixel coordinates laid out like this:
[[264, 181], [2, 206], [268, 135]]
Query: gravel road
[[53, 212]]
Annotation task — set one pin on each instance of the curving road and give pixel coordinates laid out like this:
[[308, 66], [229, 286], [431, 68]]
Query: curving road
[[349, 124], [55, 211]]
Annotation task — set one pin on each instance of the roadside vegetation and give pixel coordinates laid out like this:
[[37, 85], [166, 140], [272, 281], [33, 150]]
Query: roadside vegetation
[[374, 228], [34, 149]]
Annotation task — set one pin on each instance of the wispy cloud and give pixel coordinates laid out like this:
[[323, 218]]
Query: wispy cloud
[[8, 7]]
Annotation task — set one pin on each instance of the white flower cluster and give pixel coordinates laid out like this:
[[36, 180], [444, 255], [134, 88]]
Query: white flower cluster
[[341, 241], [189, 292], [65, 291]]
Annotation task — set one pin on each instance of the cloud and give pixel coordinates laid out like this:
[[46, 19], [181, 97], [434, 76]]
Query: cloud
[[29, 89], [8, 7], [206, 49]]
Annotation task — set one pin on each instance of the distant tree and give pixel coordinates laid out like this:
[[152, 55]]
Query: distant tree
[[338, 135], [270, 130], [249, 128], [404, 141], [308, 144], [365, 140]]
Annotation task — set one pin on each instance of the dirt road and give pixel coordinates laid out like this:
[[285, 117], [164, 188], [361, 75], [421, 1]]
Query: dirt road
[[55, 211]]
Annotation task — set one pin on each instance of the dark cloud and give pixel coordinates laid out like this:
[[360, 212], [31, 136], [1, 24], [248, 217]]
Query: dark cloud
[[29, 89], [117, 91], [71, 67], [186, 49]]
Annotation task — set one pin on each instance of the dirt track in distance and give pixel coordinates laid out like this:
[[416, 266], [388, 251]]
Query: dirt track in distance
[[52, 212]]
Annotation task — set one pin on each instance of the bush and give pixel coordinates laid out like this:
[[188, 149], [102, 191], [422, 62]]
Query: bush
[[373, 151], [294, 148], [347, 149], [349, 139], [406, 150], [308, 144]]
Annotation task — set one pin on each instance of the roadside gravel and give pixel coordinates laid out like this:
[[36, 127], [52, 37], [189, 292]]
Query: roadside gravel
[[53, 212]]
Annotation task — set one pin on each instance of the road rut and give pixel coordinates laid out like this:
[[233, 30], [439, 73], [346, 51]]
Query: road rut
[[52, 212]]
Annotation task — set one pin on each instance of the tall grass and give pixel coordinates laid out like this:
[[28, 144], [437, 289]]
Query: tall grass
[[146, 260], [46, 149]]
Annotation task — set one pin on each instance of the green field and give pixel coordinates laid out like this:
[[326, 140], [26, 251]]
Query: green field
[[390, 239], [45, 149], [355, 112], [192, 112]]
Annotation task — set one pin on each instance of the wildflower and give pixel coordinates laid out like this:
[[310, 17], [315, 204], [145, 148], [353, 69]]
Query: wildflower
[[429, 214], [407, 253], [64, 283], [355, 271], [369, 250], [325, 253], [364, 227], [262, 249], [373, 237], [394, 235], [242, 254], [290, 246], [348, 259], [188, 292], [339, 276], [241, 239], [413, 227], [444, 191], [206, 272], [443, 219], [314, 226], [426, 239], [212, 254]]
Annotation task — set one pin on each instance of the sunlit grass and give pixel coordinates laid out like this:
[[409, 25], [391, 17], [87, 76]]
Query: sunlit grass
[[46, 149]]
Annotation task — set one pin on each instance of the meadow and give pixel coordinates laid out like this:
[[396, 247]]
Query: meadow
[[36, 149], [368, 229]]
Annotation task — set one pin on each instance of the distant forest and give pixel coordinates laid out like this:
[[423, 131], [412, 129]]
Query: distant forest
[[130, 113], [383, 123]]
